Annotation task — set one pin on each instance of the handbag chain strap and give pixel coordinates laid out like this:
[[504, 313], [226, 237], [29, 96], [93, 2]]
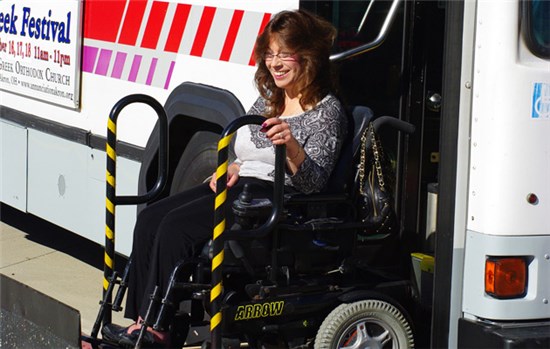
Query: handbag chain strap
[[363, 159]]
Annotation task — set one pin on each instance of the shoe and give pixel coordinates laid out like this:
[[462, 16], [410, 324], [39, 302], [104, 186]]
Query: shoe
[[113, 333], [129, 340]]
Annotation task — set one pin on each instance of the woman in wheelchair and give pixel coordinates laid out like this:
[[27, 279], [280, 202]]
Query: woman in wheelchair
[[294, 80]]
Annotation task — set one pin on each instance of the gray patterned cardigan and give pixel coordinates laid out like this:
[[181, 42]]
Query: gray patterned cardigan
[[321, 132]]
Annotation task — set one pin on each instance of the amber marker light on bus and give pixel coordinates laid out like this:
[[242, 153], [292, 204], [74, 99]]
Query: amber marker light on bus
[[506, 277]]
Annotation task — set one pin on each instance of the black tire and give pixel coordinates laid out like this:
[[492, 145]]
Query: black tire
[[365, 324], [197, 162]]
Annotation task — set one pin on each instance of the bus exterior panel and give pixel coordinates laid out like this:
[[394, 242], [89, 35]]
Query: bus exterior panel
[[13, 155], [127, 47], [503, 170], [507, 205], [534, 305]]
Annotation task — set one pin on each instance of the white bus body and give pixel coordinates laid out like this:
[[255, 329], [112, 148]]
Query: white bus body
[[473, 76], [60, 180]]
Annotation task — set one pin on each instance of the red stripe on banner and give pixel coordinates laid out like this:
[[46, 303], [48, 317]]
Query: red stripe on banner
[[177, 28], [231, 35], [203, 30], [265, 20], [154, 24], [132, 22], [102, 19]]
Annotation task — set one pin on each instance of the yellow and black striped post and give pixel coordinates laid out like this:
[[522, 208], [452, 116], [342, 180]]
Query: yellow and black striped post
[[217, 241], [216, 291], [109, 254], [112, 199]]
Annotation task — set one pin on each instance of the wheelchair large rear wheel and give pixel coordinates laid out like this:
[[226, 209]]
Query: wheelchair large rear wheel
[[365, 324]]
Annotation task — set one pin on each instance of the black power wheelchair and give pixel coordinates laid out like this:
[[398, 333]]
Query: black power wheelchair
[[300, 271]]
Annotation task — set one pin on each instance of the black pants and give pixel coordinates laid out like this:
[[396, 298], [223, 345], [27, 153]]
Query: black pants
[[173, 229]]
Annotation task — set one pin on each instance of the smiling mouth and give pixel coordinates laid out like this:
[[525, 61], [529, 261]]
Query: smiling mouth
[[280, 74]]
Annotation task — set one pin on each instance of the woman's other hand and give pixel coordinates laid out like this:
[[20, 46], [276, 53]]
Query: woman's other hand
[[232, 177]]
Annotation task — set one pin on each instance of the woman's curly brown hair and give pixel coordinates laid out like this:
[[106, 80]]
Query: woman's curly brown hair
[[311, 38]]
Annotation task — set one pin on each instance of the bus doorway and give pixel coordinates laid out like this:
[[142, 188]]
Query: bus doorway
[[401, 77]]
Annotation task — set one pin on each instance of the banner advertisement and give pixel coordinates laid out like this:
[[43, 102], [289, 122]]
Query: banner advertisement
[[40, 48]]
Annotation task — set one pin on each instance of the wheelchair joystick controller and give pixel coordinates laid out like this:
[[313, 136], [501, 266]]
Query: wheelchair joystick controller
[[249, 211], [245, 197]]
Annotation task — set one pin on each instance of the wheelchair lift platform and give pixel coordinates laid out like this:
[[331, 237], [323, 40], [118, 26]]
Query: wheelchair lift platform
[[31, 319]]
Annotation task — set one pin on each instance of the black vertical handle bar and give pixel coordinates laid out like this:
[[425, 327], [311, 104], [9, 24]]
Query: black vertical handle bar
[[162, 152], [278, 184], [219, 233], [112, 200]]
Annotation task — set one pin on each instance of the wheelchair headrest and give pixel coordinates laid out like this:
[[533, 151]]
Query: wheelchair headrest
[[342, 174]]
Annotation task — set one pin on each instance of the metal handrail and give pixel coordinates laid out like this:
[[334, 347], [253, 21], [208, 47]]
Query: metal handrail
[[162, 178], [373, 44], [112, 199], [219, 233], [365, 16]]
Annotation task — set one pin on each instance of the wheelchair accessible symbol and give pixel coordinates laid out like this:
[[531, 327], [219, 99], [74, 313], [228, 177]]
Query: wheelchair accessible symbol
[[541, 101]]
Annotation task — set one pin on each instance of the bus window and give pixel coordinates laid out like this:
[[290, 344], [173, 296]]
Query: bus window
[[536, 26]]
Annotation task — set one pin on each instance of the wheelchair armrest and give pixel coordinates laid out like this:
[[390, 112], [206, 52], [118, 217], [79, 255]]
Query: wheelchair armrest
[[299, 198], [261, 207]]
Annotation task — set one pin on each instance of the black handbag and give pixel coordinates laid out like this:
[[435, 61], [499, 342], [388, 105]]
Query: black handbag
[[376, 204]]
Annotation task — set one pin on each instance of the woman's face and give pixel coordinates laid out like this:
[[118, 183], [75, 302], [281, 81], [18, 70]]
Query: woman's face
[[284, 66]]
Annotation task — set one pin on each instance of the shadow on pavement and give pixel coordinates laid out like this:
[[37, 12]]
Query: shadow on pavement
[[57, 238]]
